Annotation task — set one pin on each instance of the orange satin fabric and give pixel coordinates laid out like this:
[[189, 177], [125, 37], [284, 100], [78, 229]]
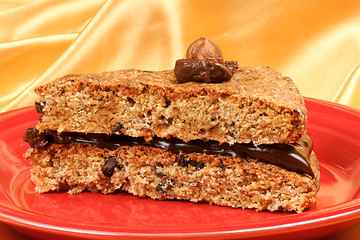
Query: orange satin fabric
[[316, 43]]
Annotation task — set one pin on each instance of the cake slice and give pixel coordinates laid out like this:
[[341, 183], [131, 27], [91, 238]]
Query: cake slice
[[239, 143], [257, 105]]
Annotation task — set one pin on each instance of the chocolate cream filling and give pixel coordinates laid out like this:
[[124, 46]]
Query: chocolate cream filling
[[291, 156]]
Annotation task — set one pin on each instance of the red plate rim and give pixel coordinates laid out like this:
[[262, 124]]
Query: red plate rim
[[346, 212]]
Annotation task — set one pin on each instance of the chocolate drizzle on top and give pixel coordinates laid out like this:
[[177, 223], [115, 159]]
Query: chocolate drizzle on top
[[291, 156], [189, 70]]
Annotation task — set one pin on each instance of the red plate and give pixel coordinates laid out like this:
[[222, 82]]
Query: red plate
[[335, 130]]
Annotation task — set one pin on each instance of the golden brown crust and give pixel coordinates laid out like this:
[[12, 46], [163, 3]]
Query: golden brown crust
[[159, 174], [257, 104]]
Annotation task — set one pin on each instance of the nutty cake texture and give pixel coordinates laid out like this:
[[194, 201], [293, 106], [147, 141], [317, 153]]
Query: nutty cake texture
[[206, 131], [257, 104], [159, 174]]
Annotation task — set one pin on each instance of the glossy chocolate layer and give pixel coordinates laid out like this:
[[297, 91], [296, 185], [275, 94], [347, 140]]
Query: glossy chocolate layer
[[292, 156], [190, 70]]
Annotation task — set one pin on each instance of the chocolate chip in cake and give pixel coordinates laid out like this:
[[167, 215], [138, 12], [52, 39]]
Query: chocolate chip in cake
[[158, 172], [163, 186], [223, 167], [160, 187], [170, 120], [231, 134], [39, 106], [117, 128], [184, 161], [221, 164], [131, 101], [170, 186], [109, 166], [167, 103]]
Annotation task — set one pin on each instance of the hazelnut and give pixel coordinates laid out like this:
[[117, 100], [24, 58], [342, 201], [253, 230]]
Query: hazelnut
[[204, 63], [205, 50]]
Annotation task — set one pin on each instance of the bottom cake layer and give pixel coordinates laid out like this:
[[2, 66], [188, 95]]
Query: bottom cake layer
[[159, 174]]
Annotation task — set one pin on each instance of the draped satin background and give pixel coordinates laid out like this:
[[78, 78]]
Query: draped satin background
[[316, 43]]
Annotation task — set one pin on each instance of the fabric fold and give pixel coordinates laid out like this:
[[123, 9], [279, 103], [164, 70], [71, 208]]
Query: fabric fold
[[314, 43], [349, 92]]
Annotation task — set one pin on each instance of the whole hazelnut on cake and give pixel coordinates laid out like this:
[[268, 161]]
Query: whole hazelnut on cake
[[205, 50], [204, 63]]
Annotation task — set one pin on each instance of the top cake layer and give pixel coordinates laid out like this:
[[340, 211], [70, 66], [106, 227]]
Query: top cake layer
[[258, 104]]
